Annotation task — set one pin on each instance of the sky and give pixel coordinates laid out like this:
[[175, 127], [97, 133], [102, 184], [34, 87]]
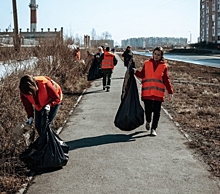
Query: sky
[[123, 19]]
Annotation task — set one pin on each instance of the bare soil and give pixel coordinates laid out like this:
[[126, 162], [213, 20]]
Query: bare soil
[[196, 107]]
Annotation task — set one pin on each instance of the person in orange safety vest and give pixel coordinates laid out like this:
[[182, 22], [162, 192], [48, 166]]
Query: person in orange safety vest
[[38, 93], [77, 55], [155, 79], [108, 62]]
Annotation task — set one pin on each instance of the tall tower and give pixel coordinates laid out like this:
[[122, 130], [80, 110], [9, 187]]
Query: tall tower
[[33, 7], [210, 21]]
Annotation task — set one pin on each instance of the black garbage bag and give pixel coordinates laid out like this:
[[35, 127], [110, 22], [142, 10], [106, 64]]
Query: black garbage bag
[[48, 151], [130, 114], [95, 71]]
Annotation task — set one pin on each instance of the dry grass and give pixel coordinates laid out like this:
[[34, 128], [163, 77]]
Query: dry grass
[[55, 61], [196, 107]]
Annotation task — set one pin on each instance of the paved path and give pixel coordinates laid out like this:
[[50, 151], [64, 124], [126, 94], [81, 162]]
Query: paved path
[[105, 160]]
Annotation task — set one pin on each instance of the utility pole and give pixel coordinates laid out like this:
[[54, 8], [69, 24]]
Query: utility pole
[[16, 36]]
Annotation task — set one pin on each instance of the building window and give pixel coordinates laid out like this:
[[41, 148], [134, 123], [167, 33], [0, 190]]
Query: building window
[[213, 17]]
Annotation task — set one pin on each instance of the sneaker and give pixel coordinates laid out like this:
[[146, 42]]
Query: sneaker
[[108, 88], [147, 126], [153, 132]]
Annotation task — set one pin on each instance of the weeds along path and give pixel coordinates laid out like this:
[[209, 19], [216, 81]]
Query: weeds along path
[[56, 62]]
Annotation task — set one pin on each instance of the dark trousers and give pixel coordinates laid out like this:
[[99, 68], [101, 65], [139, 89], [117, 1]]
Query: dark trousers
[[106, 81], [152, 106], [38, 117]]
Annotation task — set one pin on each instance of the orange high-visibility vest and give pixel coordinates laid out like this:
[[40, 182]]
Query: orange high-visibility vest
[[152, 83], [42, 92], [78, 55], [107, 62]]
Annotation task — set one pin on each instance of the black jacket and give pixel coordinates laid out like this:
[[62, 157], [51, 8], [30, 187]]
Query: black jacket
[[128, 55], [98, 57]]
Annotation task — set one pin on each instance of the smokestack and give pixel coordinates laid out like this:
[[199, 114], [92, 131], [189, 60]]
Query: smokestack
[[33, 6]]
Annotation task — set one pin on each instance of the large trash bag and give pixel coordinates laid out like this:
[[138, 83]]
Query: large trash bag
[[95, 71], [48, 151], [130, 114]]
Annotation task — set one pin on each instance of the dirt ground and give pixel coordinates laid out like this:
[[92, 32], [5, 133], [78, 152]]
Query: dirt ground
[[196, 107]]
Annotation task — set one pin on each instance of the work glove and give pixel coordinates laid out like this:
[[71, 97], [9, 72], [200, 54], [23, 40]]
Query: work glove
[[30, 121], [47, 108], [133, 71]]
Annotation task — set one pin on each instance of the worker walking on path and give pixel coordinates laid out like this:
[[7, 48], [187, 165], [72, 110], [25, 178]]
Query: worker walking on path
[[108, 62], [128, 56], [155, 79]]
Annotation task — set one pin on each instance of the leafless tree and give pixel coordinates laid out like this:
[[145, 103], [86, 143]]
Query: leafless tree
[[93, 34], [106, 36]]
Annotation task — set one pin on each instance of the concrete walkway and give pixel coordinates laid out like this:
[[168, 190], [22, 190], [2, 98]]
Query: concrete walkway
[[105, 160]]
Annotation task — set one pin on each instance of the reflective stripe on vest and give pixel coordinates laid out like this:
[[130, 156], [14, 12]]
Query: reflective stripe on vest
[[152, 80], [42, 92], [152, 84], [107, 62]]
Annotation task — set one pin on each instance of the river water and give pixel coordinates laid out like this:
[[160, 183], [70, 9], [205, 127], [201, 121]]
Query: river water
[[211, 60], [8, 67]]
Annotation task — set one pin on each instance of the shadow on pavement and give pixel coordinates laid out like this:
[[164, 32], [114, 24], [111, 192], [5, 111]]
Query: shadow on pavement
[[103, 139], [47, 170], [96, 91]]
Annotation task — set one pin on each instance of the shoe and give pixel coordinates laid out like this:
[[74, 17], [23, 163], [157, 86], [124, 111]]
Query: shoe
[[108, 88], [153, 132], [103, 87], [147, 126]]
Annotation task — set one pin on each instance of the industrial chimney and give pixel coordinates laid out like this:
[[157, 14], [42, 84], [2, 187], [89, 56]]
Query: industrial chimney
[[33, 6]]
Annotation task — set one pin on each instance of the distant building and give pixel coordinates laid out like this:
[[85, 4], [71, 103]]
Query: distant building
[[33, 38], [210, 21], [96, 43], [150, 42]]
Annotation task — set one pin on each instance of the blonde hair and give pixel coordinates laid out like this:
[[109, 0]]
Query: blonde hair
[[28, 85], [100, 48]]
